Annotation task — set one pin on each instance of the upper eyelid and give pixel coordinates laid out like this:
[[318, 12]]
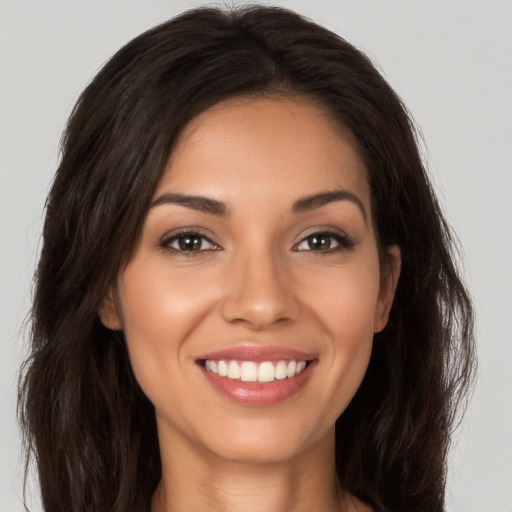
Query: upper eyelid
[[189, 230], [326, 232], [179, 235], [329, 230]]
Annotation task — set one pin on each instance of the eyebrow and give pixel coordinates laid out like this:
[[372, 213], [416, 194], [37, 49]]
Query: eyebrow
[[317, 200], [212, 206], [199, 203]]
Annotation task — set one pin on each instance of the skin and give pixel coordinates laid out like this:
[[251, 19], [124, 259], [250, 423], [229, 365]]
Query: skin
[[257, 281]]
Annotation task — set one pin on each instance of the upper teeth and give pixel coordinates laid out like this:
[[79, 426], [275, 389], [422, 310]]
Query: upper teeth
[[249, 371]]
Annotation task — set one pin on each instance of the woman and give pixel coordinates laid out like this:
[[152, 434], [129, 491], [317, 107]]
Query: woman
[[246, 298]]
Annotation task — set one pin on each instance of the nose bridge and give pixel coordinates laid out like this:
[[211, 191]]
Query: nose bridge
[[260, 289]]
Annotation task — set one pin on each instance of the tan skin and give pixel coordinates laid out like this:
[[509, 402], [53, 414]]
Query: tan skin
[[261, 272]]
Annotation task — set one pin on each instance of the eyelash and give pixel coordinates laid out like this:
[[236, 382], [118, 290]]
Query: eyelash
[[166, 243], [344, 242]]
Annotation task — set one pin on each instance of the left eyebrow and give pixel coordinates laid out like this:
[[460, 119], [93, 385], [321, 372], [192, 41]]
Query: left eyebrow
[[199, 203], [317, 200]]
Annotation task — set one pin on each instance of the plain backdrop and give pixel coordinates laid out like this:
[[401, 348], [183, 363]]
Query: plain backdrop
[[450, 60]]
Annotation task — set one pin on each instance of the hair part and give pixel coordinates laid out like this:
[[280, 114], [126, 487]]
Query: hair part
[[86, 422]]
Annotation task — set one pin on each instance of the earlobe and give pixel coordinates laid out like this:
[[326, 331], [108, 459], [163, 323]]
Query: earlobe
[[390, 274], [108, 312]]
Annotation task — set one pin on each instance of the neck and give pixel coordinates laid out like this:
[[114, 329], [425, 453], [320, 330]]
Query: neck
[[197, 480]]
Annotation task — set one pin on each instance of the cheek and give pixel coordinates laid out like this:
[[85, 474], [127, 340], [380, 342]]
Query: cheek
[[353, 328], [349, 321], [346, 310], [157, 303], [346, 301], [158, 312]]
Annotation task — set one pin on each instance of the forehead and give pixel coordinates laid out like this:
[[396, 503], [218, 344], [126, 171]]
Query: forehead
[[270, 147]]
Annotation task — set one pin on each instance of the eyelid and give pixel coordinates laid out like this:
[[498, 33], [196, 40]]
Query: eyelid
[[344, 241], [173, 235]]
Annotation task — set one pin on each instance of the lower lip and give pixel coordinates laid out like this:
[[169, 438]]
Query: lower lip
[[259, 393]]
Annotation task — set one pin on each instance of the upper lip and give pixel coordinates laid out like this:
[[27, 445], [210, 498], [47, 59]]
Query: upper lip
[[257, 354]]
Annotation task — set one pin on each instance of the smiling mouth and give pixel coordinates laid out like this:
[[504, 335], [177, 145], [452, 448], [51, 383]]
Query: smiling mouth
[[251, 371], [255, 375]]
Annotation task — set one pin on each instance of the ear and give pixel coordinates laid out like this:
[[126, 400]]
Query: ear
[[389, 280], [108, 311]]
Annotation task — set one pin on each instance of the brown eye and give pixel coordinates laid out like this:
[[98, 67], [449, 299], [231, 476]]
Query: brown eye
[[324, 241], [319, 242], [188, 243]]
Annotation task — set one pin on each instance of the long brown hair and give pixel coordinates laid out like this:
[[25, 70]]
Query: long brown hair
[[87, 423]]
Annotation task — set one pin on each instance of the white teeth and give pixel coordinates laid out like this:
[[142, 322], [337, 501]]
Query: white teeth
[[233, 370], [249, 371], [222, 368], [280, 372], [266, 372]]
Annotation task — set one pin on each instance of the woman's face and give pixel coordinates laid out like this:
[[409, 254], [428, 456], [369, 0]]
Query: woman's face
[[258, 257]]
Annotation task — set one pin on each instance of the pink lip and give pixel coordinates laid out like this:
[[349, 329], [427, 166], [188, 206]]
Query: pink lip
[[257, 393], [257, 354]]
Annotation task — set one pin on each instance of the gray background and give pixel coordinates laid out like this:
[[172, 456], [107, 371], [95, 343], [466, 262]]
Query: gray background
[[451, 61]]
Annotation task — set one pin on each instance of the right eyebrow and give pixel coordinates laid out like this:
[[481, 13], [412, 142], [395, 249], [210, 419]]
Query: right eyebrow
[[199, 203], [318, 200]]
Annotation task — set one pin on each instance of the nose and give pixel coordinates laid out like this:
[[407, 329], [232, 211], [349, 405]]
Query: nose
[[260, 292]]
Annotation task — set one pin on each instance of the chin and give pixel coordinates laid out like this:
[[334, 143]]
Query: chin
[[268, 441]]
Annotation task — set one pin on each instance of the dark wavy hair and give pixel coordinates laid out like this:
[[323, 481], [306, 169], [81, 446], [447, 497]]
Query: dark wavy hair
[[85, 420]]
